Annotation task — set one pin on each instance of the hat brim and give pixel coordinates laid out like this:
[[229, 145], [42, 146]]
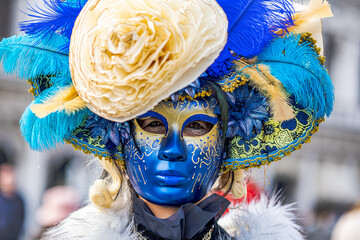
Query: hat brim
[[276, 140]]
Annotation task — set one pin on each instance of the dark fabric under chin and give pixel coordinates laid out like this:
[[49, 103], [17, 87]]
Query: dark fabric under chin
[[186, 223]]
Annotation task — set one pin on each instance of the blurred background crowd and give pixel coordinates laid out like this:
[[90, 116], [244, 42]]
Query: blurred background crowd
[[39, 189]]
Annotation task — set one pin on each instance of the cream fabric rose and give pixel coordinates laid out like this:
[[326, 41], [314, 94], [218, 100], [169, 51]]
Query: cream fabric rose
[[128, 55]]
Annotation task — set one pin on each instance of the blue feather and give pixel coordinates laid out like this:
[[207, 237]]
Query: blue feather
[[48, 132], [298, 68], [24, 57], [57, 17], [252, 23]]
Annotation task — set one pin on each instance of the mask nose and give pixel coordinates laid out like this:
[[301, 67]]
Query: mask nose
[[172, 147]]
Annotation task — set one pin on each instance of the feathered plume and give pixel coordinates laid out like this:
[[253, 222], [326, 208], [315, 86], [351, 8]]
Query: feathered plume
[[261, 79], [252, 23], [296, 65], [308, 20], [65, 99], [315, 10], [27, 58], [58, 17], [47, 132]]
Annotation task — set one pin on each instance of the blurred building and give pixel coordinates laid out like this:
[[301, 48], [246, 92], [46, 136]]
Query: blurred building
[[324, 177]]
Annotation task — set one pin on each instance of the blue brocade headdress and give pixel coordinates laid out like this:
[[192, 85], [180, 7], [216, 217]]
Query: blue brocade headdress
[[94, 65]]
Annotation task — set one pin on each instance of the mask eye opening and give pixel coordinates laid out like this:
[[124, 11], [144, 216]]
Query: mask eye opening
[[198, 125], [152, 125], [197, 128]]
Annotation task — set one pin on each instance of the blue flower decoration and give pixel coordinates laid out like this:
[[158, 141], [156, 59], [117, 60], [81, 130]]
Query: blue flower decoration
[[248, 109], [111, 133], [124, 132], [191, 90]]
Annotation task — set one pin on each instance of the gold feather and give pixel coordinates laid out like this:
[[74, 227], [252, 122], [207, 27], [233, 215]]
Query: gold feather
[[315, 10], [66, 99], [261, 79], [307, 19]]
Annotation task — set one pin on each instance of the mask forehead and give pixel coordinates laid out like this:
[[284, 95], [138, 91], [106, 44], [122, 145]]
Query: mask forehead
[[176, 113]]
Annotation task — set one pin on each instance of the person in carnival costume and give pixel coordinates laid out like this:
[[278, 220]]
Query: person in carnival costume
[[175, 98]]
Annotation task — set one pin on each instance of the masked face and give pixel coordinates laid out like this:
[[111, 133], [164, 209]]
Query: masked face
[[176, 152]]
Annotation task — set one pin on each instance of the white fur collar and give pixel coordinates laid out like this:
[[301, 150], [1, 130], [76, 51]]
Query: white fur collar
[[265, 219]]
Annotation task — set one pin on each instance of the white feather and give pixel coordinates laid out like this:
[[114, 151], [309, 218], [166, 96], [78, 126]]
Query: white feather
[[265, 219], [92, 223]]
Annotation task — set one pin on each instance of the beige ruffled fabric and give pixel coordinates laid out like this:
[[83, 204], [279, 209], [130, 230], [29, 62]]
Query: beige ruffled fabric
[[126, 56]]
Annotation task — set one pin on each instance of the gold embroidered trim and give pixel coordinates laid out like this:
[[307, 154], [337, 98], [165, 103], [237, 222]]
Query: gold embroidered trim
[[31, 89], [202, 94], [307, 37], [238, 81], [285, 152], [78, 146], [229, 84]]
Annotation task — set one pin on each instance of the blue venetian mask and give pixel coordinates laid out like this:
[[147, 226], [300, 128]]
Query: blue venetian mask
[[175, 154]]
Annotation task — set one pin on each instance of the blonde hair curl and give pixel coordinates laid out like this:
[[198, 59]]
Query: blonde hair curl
[[235, 185], [104, 191]]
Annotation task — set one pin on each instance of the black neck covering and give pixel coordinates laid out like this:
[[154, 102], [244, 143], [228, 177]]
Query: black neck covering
[[187, 222]]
